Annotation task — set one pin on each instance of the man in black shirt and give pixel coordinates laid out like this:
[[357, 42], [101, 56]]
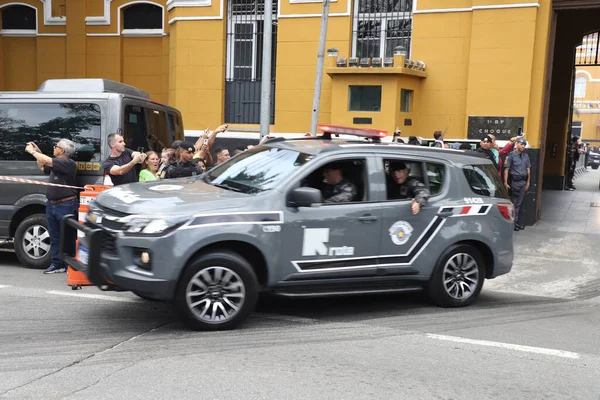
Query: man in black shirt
[[61, 201], [119, 166]]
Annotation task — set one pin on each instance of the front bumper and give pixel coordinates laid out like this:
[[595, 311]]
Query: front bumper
[[111, 267]]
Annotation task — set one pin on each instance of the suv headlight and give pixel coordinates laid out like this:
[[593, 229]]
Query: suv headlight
[[151, 225]]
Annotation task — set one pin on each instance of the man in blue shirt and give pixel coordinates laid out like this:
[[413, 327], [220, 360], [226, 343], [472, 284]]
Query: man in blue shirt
[[517, 177]]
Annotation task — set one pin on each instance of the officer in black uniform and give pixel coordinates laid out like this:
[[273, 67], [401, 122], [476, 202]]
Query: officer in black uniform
[[337, 189], [517, 177], [404, 187], [186, 165]]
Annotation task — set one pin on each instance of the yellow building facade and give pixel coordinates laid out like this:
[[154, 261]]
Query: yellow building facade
[[463, 67], [481, 58]]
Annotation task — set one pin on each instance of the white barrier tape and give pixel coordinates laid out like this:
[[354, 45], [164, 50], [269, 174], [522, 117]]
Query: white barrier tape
[[21, 180]]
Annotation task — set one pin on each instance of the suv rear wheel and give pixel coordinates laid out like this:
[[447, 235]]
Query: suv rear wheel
[[217, 291], [458, 277], [32, 242]]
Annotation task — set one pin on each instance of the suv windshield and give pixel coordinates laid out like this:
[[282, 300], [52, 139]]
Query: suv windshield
[[485, 181], [257, 169]]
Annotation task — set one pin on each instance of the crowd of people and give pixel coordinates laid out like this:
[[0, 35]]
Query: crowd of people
[[182, 159]]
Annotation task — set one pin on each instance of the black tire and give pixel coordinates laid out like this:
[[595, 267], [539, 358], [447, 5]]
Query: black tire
[[244, 297], [595, 166], [457, 255], [27, 256]]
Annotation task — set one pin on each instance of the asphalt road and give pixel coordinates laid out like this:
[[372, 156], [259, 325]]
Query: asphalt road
[[88, 344]]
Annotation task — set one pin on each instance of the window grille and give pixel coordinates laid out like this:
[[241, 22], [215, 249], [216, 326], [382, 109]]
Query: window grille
[[245, 28], [381, 25]]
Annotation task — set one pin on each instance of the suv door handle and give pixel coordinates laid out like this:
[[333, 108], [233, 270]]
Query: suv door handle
[[367, 218]]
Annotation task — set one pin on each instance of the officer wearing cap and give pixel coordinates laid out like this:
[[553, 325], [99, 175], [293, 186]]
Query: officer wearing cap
[[185, 166], [485, 147], [404, 187], [517, 175], [337, 189]]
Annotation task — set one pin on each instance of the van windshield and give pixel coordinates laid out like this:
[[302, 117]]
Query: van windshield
[[257, 169]]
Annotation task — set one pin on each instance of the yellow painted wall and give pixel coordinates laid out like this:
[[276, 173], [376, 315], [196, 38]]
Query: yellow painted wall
[[296, 68], [140, 61], [443, 41], [197, 72], [143, 65], [501, 59], [20, 68], [479, 62]]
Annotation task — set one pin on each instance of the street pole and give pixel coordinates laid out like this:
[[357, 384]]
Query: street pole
[[265, 93], [319, 73]]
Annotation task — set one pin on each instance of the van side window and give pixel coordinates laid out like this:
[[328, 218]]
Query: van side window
[[136, 130], [147, 128], [47, 123]]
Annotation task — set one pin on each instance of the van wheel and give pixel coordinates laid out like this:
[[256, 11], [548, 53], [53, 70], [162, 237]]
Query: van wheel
[[217, 291], [458, 277], [32, 242]]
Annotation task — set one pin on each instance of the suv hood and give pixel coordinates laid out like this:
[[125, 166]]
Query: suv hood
[[184, 196]]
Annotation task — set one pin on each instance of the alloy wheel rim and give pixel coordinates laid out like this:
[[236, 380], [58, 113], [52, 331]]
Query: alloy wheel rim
[[36, 242], [215, 294], [461, 276]]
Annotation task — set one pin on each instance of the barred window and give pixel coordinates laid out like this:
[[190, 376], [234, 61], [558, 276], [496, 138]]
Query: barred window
[[381, 25]]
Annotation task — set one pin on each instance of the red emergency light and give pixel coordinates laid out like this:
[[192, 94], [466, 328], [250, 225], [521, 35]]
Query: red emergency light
[[374, 134]]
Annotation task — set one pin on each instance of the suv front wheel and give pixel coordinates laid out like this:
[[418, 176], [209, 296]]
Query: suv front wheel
[[32, 242], [217, 291], [458, 277]]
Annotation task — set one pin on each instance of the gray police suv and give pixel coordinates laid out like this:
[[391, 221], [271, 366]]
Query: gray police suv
[[258, 222]]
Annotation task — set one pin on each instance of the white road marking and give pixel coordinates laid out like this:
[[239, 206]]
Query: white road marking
[[4, 286], [528, 349], [94, 296]]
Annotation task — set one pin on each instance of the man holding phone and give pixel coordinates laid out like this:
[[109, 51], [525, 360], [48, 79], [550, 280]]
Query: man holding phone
[[119, 166]]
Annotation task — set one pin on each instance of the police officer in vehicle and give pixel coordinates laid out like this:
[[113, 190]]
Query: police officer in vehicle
[[517, 175], [337, 189], [186, 165], [404, 187]]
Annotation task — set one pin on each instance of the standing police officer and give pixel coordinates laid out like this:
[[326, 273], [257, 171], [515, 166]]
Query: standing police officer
[[186, 165], [517, 175]]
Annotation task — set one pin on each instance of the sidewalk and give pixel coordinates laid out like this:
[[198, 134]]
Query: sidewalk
[[559, 256], [576, 211]]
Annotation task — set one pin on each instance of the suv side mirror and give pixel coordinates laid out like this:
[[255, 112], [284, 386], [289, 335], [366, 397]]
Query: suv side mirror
[[305, 197]]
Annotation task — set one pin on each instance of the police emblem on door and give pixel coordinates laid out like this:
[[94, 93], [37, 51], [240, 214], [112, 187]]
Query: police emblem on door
[[400, 232]]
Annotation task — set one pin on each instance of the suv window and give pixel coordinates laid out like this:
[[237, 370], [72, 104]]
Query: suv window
[[47, 123], [352, 171], [435, 176], [257, 169], [415, 171], [485, 181]]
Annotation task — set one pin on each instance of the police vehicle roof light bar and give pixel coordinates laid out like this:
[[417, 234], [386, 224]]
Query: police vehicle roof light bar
[[373, 134]]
